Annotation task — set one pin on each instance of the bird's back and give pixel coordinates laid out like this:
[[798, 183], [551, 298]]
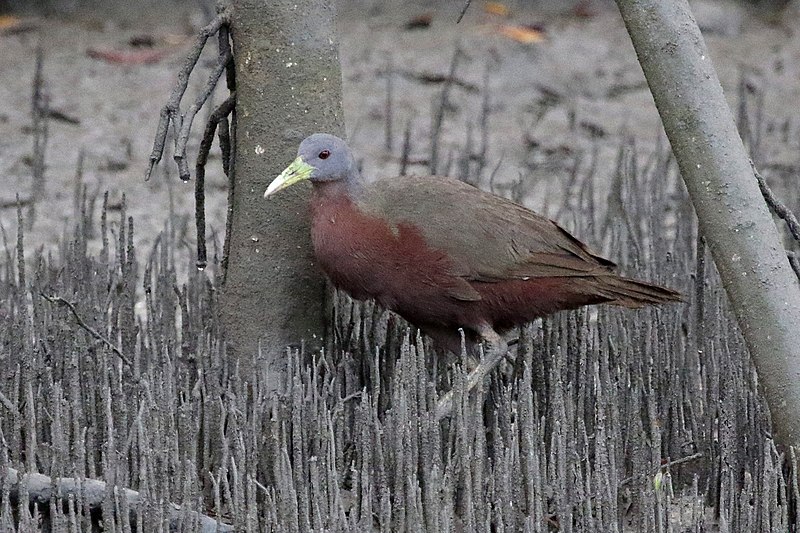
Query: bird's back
[[491, 237]]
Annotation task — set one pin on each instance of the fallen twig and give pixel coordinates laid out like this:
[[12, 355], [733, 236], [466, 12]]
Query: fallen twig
[[89, 329], [668, 464], [42, 490], [61, 116], [127, 57], [463, 11], [18, 202], [435, 78]]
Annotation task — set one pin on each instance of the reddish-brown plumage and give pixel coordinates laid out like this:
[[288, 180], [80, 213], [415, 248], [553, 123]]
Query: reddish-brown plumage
[[446, 256], [369, 257]]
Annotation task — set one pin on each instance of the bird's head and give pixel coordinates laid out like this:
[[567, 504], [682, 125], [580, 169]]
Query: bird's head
[[321, 158]]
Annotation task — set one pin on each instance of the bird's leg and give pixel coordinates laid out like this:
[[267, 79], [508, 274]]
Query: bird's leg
[[493, 356]]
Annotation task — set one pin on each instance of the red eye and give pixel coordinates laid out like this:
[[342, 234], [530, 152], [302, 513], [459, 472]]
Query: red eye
[[324, 154]]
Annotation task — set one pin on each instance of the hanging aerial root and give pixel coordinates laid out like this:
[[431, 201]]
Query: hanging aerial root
[[182, 122], [170, 112], [186, 120], [218, 116]]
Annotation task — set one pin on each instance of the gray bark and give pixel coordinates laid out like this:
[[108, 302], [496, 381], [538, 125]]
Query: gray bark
[[733, 217], [288, 85]]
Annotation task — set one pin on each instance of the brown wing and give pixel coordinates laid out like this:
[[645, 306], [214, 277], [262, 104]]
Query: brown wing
[[487, 237]]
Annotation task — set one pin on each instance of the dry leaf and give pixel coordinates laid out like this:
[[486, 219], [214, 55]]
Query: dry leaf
[[127, 57], [496, 8], [11, 25], [142, 41], [419, 22], [522, 34], [9, 22], [174, 39], [584, 9]]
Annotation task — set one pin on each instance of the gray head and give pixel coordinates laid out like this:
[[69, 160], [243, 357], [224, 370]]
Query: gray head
[[321, 158]]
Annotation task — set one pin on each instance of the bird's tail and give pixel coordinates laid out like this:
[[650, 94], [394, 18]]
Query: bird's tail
[[631, 293]]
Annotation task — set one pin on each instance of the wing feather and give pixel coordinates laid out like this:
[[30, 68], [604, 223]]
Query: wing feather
[[488, 238]]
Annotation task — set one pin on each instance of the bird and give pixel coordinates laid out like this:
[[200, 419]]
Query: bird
[[447, 256]]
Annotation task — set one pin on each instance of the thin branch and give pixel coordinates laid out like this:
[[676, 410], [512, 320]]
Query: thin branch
[[9, 204], [339, 407], [463, 10], [438, 117], [406, 153], [794, 260], [169, 113], [662, 467], [89, 329], [776, 205], [39, 115], [42, 490], [261, 486], [493, 175], [389, 138], [484, 122]]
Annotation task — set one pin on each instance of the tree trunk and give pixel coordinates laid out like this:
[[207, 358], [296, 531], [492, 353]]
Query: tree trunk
[[288, 85], [733, 216]]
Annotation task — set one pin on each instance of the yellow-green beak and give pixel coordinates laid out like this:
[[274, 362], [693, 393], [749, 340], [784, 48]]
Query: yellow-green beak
[[298, 171]]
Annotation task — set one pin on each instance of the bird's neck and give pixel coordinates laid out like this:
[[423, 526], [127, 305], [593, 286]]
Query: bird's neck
[[348, 189]]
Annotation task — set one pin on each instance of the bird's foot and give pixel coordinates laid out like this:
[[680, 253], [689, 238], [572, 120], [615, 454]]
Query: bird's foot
[[493, 356]]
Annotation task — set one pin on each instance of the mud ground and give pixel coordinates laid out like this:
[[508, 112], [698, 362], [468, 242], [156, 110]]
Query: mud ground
[[578, 90]]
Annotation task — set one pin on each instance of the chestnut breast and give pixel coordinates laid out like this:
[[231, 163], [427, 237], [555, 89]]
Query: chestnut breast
[[368, 257]]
